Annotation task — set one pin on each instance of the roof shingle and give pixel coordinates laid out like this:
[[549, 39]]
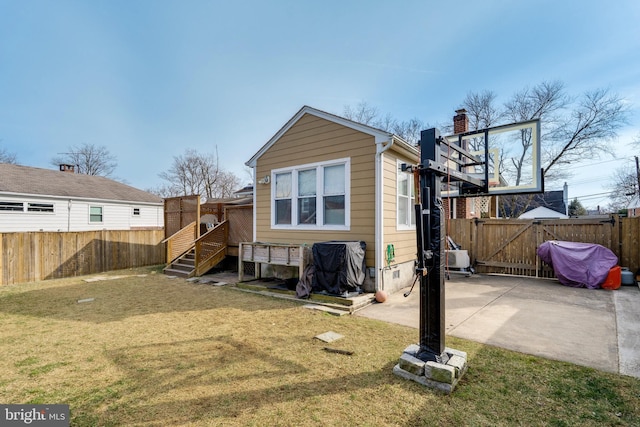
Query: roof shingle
[[46, 182]]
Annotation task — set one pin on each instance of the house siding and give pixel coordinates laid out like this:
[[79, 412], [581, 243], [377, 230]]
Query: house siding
[[313, 139], [73, 215], [399, 273]]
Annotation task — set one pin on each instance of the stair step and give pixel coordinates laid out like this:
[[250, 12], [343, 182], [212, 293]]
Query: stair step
[[181, 267], [178, 273]]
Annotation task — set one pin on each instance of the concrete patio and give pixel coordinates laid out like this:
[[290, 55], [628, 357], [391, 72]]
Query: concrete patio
[[595, 328]]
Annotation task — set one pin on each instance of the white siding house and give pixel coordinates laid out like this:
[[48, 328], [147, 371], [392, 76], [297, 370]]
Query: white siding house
[[34, 199]]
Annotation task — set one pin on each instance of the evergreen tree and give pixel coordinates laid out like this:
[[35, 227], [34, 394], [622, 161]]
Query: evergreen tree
[[576, 208]]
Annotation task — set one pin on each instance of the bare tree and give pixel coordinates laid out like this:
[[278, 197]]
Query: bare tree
[[368, 115], [228, 183], [362, 113], [481, 110], [8, 157], [89, 159], [409, 130], [197, 173], [164, 190], [623, 186], [590, 128], [545, 101], [573, 129]]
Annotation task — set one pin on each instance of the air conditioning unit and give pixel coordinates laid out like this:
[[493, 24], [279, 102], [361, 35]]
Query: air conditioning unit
[[457, 259]]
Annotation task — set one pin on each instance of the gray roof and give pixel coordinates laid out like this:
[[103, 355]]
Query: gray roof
[[47, 182]]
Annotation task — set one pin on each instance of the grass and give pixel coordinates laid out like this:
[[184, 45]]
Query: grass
[[154, 351]]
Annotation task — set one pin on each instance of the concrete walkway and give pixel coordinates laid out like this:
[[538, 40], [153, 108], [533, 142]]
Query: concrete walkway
[[595, 328]]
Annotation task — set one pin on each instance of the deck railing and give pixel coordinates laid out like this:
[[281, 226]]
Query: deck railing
[[211, 248], [180, 242]]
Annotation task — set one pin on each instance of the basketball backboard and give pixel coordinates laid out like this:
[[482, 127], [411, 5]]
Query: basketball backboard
[[505, 159]]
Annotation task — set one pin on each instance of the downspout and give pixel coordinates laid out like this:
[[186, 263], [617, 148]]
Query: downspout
[[565, 198], [255, 211], [69, 215], [381, 147]]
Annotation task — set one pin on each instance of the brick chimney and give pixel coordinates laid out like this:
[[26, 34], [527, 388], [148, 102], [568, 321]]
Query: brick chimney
[[460, 121], [67, 168], [461, 125]]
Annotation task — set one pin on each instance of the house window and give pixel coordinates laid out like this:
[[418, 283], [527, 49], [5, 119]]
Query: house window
[[452, 208], [307, 184], [95, 214], [406, 213], [313, 196], [40, 207], [12, 206], [283, 198], [136, 211]]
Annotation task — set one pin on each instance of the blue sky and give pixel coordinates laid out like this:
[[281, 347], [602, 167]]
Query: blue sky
[[150, 78]]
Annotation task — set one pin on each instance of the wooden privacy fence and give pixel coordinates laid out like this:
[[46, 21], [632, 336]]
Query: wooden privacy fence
[[509, 246], [240, 226], [179, 212], [27, 257]]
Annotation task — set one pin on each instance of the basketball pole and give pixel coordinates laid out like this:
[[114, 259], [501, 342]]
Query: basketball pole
[[430, 268], [431, 363]]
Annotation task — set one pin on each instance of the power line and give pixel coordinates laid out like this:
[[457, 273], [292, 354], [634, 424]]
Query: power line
[[596, 194], [580, 165]]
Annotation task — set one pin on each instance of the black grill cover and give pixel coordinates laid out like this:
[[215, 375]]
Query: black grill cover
[[339, 266]]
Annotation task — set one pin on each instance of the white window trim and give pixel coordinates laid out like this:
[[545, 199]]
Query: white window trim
[[319, 206], [12, 202], [37, 212], [101, 214], [411, 208]]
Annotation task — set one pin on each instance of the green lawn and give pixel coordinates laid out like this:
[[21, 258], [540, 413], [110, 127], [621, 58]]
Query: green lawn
[[154, 351]]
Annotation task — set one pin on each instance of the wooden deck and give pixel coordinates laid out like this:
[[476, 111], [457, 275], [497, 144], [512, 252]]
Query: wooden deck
[[273, 254]]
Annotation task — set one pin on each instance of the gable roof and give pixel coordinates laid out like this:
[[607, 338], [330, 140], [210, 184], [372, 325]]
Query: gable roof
[[542, 212], [19, 179], [246, 190], [379, 135], [553, 200]]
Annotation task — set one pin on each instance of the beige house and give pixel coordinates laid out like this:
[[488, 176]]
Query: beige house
[[322, 177]]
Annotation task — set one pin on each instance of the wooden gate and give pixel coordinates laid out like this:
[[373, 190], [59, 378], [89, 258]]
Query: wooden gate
[[509, 246]]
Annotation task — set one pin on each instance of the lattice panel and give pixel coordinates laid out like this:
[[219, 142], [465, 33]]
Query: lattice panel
[[212, 242], [179, 212], [249, 269], [240, 224], [482, 204]]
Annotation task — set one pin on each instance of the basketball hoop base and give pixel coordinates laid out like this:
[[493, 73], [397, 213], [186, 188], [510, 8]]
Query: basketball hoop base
[[442, 377]]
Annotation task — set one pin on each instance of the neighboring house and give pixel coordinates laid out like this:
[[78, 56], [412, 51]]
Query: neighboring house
[[323, 177], [34, 199], [542, 213], [633, 208], [555, 201], [246, 191]]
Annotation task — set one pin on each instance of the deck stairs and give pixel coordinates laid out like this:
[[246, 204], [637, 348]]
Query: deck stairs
[[184, 266], [189, 257]]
